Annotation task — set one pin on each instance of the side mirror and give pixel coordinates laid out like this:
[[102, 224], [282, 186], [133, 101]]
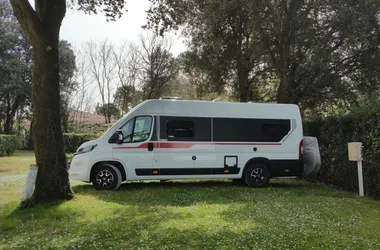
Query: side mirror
[[120, 137]]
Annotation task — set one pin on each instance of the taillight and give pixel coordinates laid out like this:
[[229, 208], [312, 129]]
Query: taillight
[[300, 150]]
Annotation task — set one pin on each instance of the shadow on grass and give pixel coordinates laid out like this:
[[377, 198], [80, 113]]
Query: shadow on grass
[[138, 185], [186, 193]]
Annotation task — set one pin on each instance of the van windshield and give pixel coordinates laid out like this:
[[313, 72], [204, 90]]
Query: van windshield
[[120, 121]]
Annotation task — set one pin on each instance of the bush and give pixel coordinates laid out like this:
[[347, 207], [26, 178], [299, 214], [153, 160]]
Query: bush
[[333, 133], [72, 141], [8, 144]]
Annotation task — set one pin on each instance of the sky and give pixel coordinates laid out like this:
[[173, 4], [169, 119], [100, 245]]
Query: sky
[[79, 28]]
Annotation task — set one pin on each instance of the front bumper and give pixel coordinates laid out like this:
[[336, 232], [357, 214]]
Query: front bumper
[[80, 167]]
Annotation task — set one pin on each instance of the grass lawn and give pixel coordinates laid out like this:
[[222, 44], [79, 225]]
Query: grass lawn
[[290, 214]]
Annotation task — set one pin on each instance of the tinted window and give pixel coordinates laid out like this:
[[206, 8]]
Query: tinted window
[[273, 129], [250, 130], [179, 129], [185, 128]]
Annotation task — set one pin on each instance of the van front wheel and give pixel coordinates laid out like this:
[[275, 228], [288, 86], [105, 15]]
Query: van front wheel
[[257, 175], [106, 177]]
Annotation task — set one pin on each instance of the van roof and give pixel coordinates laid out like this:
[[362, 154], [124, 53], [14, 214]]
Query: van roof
[[197, 108]]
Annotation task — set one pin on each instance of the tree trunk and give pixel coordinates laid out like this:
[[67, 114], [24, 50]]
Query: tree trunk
[[8, 124], [245, 94], [42, 27], [287, 89], [52, 178], [283, 89], [11, 113]]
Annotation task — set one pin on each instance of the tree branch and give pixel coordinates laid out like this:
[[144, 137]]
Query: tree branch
[[27, 18]]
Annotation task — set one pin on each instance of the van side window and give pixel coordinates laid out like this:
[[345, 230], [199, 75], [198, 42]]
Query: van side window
[[143, 126], [127, 131], [175, 128], [179, 129], [135, 130], [250, 130], [274, 129]]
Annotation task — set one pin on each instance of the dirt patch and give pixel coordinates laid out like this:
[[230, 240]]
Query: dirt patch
[[5, 170]]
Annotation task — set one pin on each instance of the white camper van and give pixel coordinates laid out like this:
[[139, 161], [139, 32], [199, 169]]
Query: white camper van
[[178, 139]]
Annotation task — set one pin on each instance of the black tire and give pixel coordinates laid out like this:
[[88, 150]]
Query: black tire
[[106, 177], [257, 175]]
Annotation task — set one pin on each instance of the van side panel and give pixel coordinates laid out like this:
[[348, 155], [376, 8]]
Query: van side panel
[[192, 139]]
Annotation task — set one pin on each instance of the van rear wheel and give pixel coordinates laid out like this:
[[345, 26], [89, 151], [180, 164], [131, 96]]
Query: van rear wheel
[[106, 177], [257, 175]]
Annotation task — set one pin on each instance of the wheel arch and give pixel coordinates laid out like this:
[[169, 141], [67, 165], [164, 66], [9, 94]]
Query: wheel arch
[[256, 160], [116, 164]]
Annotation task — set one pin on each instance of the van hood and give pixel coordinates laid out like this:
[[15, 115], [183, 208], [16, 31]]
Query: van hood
[[88, 143]]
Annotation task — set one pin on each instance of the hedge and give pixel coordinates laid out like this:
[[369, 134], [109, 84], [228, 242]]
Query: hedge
[[8, 144], [72, 141], [333, 134]]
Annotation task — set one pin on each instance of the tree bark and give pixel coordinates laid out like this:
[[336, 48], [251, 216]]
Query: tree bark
[[42, 27], [52, 178], [244, 85], [283, 89]]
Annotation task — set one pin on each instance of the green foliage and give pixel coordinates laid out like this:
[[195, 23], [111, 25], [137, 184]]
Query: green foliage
[[73, 141], [8, 144], [127, 97], [157, 65], [91, 128], [16, 63], [333, 133], [244, 45], [108, 110], [15, 69], [67, 83]]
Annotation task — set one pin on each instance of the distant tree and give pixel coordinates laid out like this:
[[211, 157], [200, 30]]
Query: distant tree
[[319, 51], [128, 69], [108, 110], [197, 75], [314, 56], [67, 82], [82, 98], [103, 69], [223, 41], [126, 97], [15, 68], [181, 86], [16, 71], [155, 64]]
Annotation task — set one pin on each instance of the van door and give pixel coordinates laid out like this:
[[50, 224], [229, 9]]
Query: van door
[[185, 148], [136, 152]]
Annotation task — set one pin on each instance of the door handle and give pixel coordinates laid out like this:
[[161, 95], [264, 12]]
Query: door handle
[[150, 146]]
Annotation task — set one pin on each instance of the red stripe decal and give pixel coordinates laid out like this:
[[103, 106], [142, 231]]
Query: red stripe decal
[[177, 144], [182, 145], [144, 145], [249, 144]]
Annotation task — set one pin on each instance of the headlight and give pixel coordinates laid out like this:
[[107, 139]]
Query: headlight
[[85, 149]]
